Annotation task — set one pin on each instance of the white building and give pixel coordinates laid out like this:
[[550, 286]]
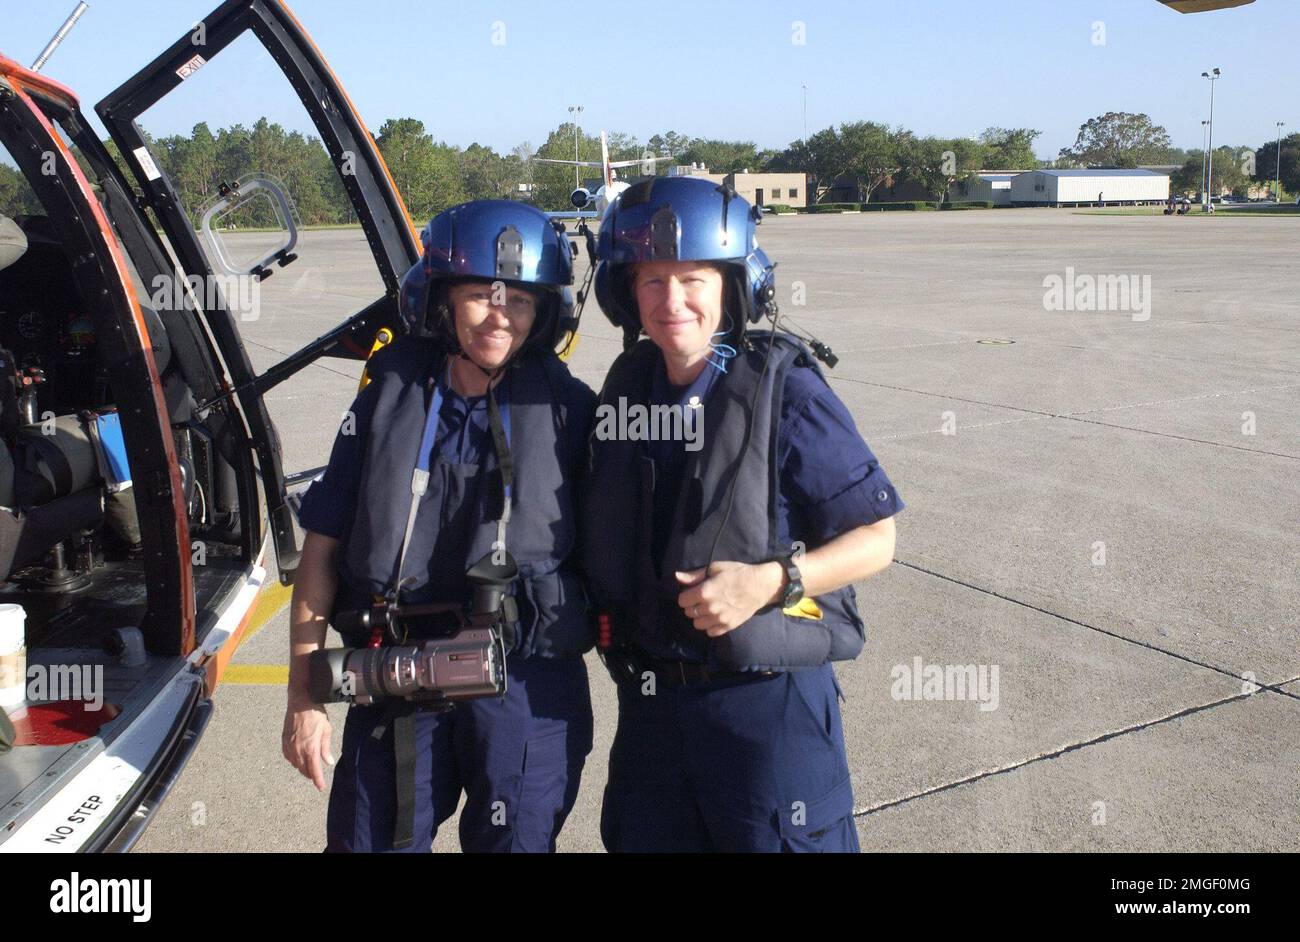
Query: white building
[[994, 188], [1088, 187]]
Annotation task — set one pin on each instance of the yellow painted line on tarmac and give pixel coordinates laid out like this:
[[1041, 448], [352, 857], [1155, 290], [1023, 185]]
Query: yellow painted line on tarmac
[[263, 675], [272, 600], [270, 603]]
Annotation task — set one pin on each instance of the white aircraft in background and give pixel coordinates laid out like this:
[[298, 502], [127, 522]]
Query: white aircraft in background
[[590, 205]]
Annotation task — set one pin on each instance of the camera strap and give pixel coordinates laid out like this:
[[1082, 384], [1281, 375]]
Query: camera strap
[[498, 425], [401, 714], [506, 463]]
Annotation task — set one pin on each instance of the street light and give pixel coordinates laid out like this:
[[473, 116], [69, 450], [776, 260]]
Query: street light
[[1205, 129], [574, 111], [1213, 76], [1277, 177]]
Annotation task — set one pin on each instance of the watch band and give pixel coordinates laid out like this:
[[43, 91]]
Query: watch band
[[793, 591]]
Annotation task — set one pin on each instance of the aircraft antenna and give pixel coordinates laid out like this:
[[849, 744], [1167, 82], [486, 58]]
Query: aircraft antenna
[[66, 28]]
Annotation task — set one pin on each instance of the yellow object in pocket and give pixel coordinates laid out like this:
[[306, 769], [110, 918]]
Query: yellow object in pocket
[[383, 337], [805, 608]]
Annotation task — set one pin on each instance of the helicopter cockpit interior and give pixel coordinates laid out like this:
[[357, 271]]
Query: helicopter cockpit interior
[[67, 507]]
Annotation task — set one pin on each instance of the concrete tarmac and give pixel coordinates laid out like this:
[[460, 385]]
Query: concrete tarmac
[[1103, 506]]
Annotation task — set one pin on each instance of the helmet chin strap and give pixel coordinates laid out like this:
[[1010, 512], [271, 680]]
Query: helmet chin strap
[[490, 374]]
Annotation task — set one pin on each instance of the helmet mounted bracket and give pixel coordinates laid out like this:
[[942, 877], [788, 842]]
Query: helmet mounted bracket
[[510, 254], [663, 234]]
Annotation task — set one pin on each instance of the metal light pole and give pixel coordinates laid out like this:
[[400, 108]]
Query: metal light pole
[[1213, 76], [574, 111], [1205, 150], [1277, 177]]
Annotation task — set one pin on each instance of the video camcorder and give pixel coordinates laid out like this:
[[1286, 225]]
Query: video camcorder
[[461, 652]]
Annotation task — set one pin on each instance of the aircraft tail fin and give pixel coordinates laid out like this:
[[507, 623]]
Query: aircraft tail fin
[[604, 160]]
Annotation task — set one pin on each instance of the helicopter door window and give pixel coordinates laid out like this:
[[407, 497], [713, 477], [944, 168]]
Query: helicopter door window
[[281, 237]]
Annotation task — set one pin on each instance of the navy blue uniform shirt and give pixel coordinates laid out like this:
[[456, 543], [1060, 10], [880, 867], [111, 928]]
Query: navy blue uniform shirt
[[830, 481]]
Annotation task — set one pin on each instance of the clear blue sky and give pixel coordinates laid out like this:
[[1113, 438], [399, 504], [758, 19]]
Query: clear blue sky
[[726, 69]]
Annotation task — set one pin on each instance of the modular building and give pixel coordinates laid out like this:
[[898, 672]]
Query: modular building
[[994, 188], [1089, 187]]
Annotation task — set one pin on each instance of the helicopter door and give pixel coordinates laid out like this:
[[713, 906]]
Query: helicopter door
[[289, 232]]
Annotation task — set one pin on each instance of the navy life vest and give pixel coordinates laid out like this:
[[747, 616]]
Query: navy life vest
[[456, 522], [617, 524]]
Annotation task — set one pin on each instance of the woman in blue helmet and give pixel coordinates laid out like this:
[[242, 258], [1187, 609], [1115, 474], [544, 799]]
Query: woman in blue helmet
[[483, 311], [725, 599]]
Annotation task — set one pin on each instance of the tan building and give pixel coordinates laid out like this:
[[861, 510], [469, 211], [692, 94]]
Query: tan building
[[767, 189], [760, 189]]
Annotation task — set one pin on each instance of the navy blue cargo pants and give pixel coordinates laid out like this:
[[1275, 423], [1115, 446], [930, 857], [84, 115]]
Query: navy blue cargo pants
[[742, 764], [518, 760]]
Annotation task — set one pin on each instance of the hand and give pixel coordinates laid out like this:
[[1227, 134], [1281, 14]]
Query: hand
[[305, 741], [729, 596]]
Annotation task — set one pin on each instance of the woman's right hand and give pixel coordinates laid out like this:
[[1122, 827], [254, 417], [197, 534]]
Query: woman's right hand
[[305, 741]]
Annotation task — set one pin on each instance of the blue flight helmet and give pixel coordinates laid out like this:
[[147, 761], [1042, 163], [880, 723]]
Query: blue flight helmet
[[490, 240], [681, 219]]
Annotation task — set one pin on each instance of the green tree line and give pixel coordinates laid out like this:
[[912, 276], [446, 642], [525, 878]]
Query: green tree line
[[1239, 170], [863, 155], [433, 175]]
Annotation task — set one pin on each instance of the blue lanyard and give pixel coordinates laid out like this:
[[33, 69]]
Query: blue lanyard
[[499, 425]]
